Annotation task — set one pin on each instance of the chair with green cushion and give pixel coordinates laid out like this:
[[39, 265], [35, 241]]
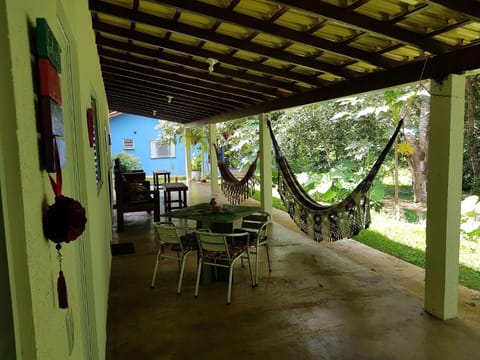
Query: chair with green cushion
[[221, 250], [175, 242]]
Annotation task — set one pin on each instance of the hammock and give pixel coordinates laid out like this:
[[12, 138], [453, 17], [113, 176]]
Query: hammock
[[332, 222], [237, 190]]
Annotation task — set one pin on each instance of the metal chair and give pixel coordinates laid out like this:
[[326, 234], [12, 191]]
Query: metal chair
[[256, 225], [177, 239], [221, 250]]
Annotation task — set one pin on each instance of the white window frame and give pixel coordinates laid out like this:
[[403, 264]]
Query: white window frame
[[169, 150]]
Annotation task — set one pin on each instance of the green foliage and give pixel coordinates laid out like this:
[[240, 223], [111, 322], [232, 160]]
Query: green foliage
[[470, 221], [235, 138], [405, 192], [321, 136], [197, 162], [338, 183], [128, 161]]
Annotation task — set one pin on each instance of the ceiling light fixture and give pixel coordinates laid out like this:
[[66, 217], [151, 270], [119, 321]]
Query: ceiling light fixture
[[211, 62], [169, 99]]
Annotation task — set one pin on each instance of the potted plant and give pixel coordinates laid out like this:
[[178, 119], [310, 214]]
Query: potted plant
[[196, 167]]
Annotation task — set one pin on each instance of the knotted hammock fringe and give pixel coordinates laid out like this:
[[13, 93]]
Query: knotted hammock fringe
[[237, 190], [327, 222]]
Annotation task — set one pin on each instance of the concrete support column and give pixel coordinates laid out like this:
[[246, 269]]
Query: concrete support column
[[212, 138], [265, 165], [188, 154], [444, 195]]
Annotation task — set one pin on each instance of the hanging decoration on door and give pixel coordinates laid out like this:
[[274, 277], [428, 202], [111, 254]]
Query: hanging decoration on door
[[64, 221]]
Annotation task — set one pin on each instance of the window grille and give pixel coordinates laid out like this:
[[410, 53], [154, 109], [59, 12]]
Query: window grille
[[128, 144]]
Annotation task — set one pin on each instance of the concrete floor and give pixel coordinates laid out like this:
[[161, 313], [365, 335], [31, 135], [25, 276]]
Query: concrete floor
[[321, 301]]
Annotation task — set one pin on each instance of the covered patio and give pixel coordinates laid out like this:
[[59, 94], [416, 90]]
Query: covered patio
[[321, 301], [203, 62]]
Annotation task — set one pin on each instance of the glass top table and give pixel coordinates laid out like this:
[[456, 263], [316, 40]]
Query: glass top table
[[221, 221]]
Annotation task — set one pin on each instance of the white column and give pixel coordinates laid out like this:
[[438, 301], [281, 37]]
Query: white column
[[188, 157], [265, 165], [445, 155], [212, 138]]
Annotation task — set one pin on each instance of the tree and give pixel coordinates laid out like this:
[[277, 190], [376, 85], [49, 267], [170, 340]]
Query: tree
[[170, 132], [412, 105], [237, 138], [471, 159]]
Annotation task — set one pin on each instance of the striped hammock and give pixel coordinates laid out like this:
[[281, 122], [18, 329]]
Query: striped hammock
[[327, 222], [237, 190]]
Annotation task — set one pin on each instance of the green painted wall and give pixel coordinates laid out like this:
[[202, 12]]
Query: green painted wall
[[42, 330]]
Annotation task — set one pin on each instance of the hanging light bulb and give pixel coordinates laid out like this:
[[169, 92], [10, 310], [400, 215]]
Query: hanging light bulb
[[169, 99]]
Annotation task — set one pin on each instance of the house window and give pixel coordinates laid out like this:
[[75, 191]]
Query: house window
[[128, 144], [159, 150]]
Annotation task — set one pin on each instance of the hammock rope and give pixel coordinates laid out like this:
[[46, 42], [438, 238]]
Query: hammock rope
[[237, 190], [327, 222]]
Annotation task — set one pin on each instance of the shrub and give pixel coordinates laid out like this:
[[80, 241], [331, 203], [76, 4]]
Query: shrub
[[128, 162]]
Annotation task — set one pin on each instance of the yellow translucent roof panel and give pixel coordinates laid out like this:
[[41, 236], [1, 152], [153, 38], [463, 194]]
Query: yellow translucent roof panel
[[276, 63], [383, 10], [195, 20], [361, 67], [371, 43], [150, 30], [430, 19], [297, 20], [218, 48], [145, 45], [268, 40], [247, 55], [112, 49], [183, 39], [335, 31], [333, 59], [114, 37], [257, 8], [122, 3], [154, 8], [406, 53], [302, 50], [234, 31], [114, 20], [305, 71], [330, 77], [461, 36]]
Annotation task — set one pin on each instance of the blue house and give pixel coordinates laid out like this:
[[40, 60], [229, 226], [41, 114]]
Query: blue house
[[136, 135]]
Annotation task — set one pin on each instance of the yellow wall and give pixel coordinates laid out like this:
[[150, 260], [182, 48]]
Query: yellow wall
[[42, 330]]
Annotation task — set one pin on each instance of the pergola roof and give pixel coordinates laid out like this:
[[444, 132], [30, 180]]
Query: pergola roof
[[197, 62]]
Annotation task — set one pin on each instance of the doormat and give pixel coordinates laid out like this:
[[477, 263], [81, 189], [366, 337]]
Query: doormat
[[123, 249]]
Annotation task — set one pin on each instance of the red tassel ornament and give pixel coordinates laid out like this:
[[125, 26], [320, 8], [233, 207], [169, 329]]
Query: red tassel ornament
[[61, 283], [64, 221]]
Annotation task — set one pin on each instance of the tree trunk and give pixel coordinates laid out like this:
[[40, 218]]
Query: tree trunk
[[417, 162]]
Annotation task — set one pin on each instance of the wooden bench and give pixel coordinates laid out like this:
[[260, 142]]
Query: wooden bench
[[134, 195]]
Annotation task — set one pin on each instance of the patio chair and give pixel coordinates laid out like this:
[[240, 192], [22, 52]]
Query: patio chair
[[256, 225], [179, 240], [221, 250]]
